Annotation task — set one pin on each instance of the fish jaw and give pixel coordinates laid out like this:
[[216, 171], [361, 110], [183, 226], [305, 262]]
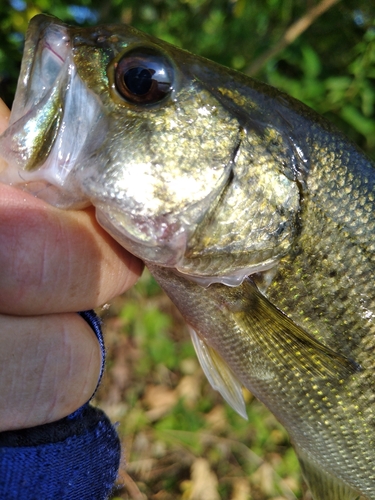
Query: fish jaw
[[53, 119], [153, 232], [161, 240]]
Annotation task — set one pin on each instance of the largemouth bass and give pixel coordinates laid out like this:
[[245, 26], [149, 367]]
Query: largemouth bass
[[253, 213]]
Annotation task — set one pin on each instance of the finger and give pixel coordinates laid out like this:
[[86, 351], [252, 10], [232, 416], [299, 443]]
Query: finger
[[4, 118], [55, 260], [35, 388]]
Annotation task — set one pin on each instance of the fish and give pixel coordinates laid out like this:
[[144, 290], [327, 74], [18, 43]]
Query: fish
[[252, 212]]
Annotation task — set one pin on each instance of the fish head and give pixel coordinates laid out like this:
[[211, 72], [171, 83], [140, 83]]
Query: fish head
[[169, 149], [185, 167]]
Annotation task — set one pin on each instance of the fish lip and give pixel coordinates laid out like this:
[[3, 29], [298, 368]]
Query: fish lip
[[44, 33]]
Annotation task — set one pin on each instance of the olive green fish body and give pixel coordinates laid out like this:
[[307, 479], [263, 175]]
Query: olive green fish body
[[252, 212], [329, 278]]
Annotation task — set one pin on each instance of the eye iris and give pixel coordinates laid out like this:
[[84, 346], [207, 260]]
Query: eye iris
[[143, 76]]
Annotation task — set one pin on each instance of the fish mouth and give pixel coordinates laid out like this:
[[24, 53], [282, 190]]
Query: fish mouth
[[47, 48], [53, 118]]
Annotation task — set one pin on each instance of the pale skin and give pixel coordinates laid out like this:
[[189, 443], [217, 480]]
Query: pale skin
[[53, 263]]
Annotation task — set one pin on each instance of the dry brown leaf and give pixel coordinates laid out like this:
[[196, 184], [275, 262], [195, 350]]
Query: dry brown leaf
[[120, 375], [162, 495], [290, 483], [142, 467], [131, 487], [189, 389], [203, 484], [241, 489], [264, 478], [160, 399], [217, 419]]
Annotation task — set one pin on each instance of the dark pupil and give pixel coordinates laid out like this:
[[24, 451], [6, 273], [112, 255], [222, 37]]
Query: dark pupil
[[138, 80]]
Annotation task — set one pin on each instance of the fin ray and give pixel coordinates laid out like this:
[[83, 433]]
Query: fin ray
[[288, 343], [218, 373], [324, 486]]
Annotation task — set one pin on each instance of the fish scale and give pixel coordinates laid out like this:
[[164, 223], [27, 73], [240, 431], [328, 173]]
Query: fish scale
[[330, 275], [254, 214], [313, 411]]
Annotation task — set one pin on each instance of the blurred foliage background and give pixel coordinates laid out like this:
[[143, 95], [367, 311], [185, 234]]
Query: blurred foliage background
[[330, 65], [180, 440]]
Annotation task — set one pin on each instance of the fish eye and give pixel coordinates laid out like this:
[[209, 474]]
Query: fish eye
[[143, 76]]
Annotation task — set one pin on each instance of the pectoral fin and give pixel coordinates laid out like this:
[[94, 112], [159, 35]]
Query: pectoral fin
[[218, 373], [286, 343], [324, 486]]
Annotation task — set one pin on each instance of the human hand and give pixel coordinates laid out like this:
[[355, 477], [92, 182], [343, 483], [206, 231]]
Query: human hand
[[52, 264]]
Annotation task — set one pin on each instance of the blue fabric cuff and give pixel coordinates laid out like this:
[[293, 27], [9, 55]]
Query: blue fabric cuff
[[96, 324], [75, 458]]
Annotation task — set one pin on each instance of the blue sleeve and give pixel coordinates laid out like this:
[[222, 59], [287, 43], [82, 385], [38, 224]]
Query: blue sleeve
[[75, 458]]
